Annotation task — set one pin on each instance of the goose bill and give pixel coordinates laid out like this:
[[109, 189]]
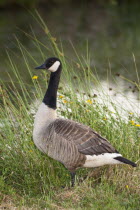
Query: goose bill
[[41, 67]]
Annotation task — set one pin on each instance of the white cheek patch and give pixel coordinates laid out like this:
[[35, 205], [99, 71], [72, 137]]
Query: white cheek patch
[[54, 67]]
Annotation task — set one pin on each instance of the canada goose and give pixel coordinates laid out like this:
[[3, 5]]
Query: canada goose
[[71, 143]]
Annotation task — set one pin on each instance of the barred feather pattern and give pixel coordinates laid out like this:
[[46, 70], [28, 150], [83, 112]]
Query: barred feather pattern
[[69, 142]]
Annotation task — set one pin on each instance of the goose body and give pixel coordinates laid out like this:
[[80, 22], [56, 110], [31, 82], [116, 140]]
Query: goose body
[[71, 143]]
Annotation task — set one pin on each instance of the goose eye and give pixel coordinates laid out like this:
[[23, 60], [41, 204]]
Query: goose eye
[[51, 62]]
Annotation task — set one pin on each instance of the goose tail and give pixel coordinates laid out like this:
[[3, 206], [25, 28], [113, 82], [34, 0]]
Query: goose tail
[[126, 161]]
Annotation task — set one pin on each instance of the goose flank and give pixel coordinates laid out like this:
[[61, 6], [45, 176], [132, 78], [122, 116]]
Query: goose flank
[[71, 143]]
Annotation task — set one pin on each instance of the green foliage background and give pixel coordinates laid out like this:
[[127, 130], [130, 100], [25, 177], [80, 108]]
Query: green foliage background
[[35, 3]]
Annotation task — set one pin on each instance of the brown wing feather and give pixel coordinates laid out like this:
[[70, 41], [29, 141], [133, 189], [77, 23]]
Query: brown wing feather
[[59, 148], [87, 141]]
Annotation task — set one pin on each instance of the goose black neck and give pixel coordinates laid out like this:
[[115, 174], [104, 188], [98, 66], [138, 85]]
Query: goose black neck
[[50, 97]]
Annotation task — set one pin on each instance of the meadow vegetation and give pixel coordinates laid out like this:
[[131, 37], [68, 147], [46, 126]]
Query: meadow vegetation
[[32, 180]]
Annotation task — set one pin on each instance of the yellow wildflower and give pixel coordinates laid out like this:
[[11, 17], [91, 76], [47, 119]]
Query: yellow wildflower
[[65, 101], [127, 186], [61, 96], [30, 150], [89, 101], [138, 125], [131, 113], [35, 77], [87, 110], [132, 122], [104, 119]]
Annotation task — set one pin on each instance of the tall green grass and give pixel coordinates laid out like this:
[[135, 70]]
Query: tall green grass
[[30, 179]]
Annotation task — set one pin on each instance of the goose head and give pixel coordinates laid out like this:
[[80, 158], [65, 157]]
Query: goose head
[[51, 64]]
